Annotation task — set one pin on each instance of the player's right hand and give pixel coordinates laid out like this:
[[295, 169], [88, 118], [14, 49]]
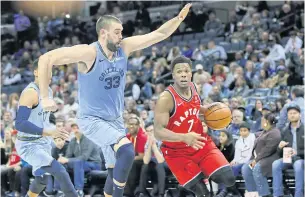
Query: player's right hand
[[48, 104], [194, 140], [283, 144], [62, 133]]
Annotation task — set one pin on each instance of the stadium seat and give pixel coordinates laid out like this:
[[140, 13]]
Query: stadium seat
[[193, 43], [200, 35], [219, 39], [273, 98], [235, 46], [177, 38], [225, 45], [188, 37], [204, 41], [261, 92]]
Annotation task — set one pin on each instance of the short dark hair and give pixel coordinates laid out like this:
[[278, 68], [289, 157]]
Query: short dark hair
[[104, 21], [179, 60], [35, 64], [298, 92]]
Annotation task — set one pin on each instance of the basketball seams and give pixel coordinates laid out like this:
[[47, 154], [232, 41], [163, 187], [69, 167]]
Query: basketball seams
[[218, 119], [214, 111]]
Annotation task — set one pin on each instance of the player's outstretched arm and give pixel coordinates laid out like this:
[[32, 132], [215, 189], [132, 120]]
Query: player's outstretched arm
[[162, 111], [135, 43], [65, 55]]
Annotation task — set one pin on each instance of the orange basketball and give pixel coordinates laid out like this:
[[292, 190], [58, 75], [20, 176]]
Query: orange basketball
[[217, 116]]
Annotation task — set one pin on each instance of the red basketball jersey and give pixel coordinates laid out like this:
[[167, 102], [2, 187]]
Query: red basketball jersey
[[185, 116]]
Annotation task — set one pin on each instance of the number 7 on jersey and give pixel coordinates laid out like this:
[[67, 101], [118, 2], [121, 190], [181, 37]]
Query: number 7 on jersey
[[191, 122]]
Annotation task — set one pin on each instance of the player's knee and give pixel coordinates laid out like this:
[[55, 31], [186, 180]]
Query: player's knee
[[126, 151], [107, 195], [121, 142], [225, 176]]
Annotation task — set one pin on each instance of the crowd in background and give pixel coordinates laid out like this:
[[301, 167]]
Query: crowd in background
[[262, 82]]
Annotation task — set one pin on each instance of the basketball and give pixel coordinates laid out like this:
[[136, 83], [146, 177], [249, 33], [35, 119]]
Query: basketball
[[217, 116]]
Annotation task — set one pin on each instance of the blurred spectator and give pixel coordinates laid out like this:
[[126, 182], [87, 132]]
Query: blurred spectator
[[213, 26], [248, 52], [239, 59], [82, 155], [240, 34], [294, 77], [132, 89], [218, 71], [243, 148], [287, 18], [7, 42], [264, 153], [231, 26], [22, 24], [137, 60], [215, 51], [138, 137], [143, 15], [280, 78], [277, 52], [6, 65], [257, 111], [226, 145], [173, 52], [247, 19], [153, 164], [11, 172], [240, 87], [297, 96], [294, 43], [13, 78], [241, 8], [292, 136], [237, 119]]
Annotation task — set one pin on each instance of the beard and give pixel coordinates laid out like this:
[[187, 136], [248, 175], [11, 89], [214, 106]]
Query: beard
[[112, 46]]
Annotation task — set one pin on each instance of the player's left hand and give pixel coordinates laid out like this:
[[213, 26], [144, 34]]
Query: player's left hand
[[185, 10]]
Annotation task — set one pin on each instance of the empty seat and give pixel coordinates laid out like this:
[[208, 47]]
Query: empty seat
[[219, 39], [262, 92], [235, 46], [204, 41], [188, 37], [225, 45], [199, 35], [177, 38]]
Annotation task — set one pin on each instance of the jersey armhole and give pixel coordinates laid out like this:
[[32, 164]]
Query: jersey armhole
[[34, 106], [173, 111]]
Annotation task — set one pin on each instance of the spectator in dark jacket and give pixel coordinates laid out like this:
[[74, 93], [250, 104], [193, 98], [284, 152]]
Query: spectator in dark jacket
[[256, 172], [293, 137], [82, 156]]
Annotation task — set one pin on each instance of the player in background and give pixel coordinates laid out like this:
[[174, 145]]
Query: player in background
[[102, 68], [189, 152], [35, 138]]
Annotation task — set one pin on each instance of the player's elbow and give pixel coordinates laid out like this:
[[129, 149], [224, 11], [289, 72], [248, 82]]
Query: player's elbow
[[157, 134]]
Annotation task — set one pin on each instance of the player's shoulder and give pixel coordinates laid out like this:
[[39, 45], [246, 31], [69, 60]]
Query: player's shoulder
[[30, 92], [165, 96]]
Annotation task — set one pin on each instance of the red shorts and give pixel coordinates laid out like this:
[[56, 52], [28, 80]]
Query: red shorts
[[188, 164]]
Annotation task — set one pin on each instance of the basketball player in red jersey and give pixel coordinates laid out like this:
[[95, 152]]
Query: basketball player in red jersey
[[189, 152]]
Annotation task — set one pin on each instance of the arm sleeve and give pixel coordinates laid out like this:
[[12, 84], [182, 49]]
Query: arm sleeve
[[22, 124]]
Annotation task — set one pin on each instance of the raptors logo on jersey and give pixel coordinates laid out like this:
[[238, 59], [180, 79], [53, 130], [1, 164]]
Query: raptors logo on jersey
[[185, 115]]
